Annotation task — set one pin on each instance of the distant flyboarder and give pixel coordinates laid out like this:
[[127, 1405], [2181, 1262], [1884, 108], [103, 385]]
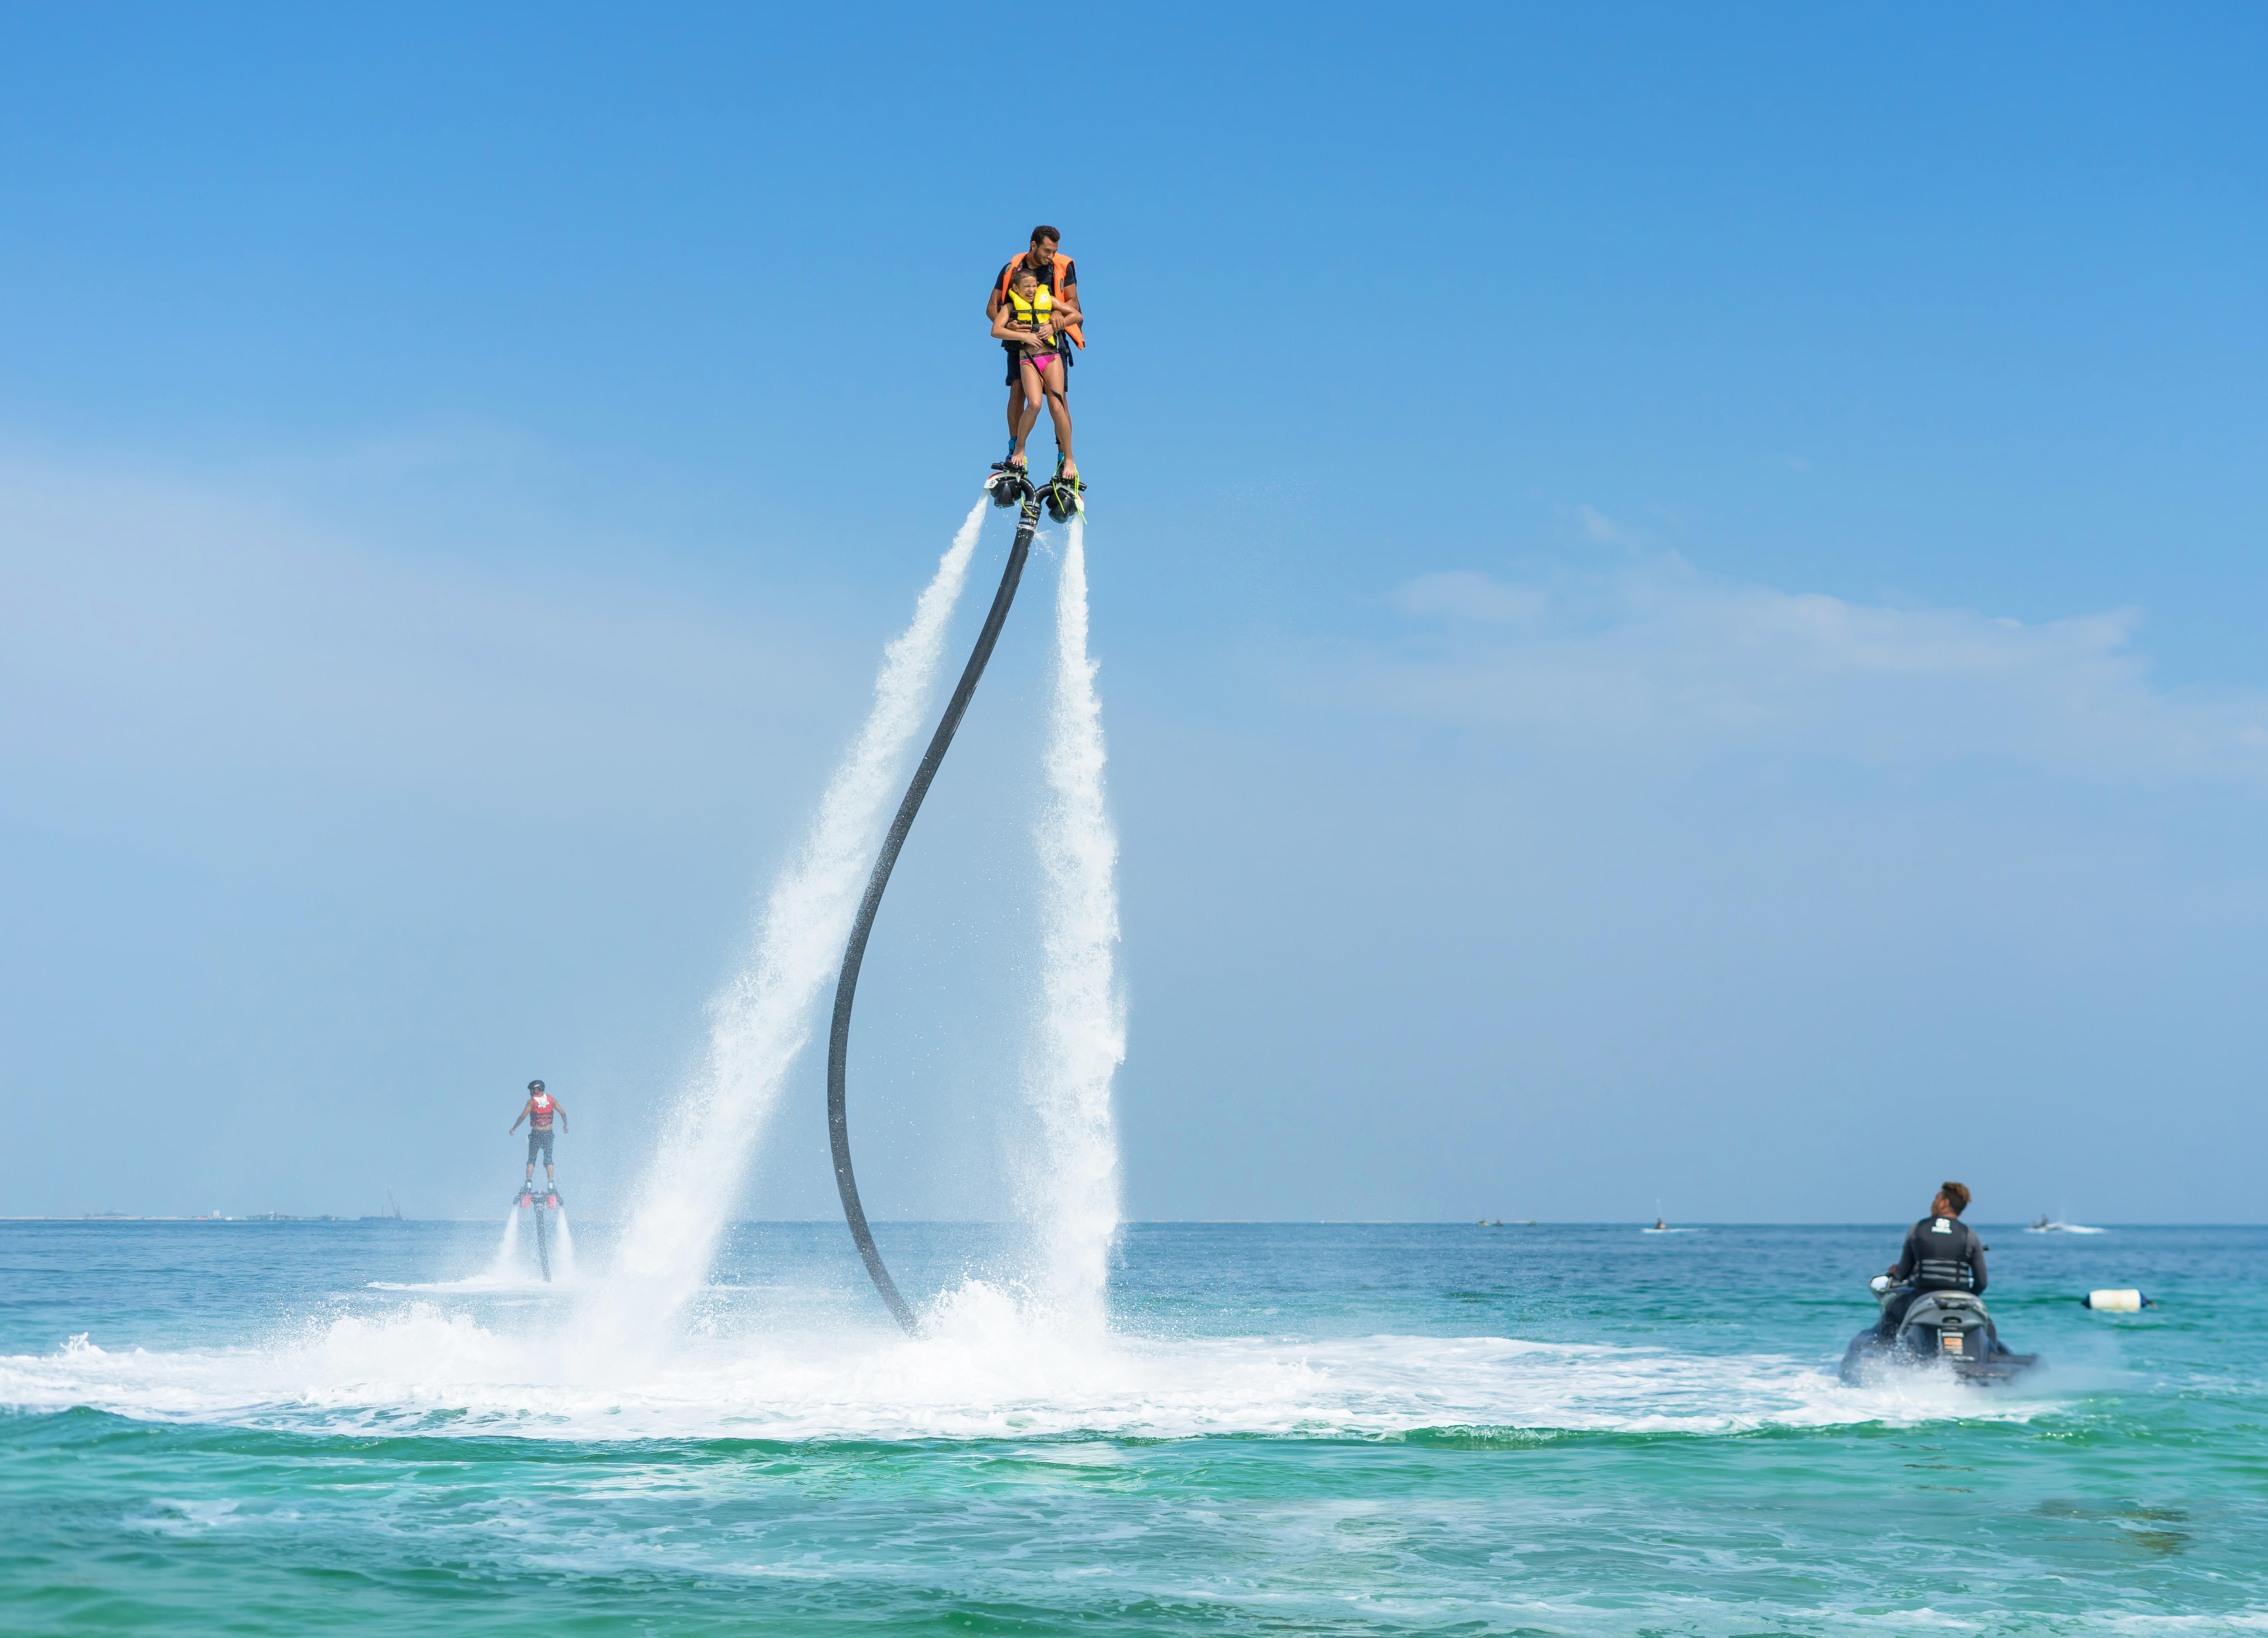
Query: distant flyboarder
[[538, 1111], [1941, 1253], [1037, 326]]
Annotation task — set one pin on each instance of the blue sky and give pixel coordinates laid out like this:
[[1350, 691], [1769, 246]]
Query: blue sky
[[1677, 591]]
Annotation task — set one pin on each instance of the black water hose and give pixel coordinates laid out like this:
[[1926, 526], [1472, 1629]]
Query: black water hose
[[854, 953]]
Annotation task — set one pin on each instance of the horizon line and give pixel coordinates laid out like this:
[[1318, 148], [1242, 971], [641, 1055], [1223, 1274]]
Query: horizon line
[[271, 1220]]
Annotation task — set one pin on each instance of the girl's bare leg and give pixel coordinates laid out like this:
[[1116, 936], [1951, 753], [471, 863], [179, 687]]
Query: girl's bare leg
[[1034, 394], [1059, 408]]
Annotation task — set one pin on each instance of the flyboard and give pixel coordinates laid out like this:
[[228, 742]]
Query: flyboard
[[542, 1201], [1009, 485]]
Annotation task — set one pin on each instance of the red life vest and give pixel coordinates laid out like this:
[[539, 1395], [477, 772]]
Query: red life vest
[[540, 1105], [1054, 290]]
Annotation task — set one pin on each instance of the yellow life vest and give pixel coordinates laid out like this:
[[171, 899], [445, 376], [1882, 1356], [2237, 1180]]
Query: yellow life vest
[[1033, 311], [1052, 283]]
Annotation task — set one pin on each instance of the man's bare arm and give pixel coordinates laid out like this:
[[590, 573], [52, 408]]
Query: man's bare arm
[[517, 1118]]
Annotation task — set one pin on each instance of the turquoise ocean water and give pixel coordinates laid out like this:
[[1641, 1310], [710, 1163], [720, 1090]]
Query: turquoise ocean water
[[380, 1427]]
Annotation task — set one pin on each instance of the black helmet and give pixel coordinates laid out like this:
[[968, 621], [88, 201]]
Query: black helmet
[[535, 1086]]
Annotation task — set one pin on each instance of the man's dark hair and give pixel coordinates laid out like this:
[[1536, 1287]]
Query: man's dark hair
[[1038, 233], [1957, 1194]]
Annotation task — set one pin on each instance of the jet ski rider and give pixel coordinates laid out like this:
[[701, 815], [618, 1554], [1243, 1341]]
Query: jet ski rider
[[1942, 1254], [537, 1112]]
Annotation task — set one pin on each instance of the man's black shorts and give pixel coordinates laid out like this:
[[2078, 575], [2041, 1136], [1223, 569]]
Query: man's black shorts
[[539, 1137], [1015, 351]]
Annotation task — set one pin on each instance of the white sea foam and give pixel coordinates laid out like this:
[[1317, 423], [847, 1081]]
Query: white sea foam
[[984, 1367], [762, 1020], [1070, 1183]]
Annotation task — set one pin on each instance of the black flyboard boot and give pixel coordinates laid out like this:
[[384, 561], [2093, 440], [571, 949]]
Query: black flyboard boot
[[1065, 495], [1008, 485]]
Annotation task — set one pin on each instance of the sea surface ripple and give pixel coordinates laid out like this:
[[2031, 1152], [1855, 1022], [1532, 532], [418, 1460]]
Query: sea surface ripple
[[297, 1427]]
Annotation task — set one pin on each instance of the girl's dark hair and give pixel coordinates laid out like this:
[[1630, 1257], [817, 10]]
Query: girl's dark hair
[[1956, 1192]]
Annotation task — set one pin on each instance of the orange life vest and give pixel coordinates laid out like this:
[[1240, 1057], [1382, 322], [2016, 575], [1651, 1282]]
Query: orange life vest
[[1055, 290]]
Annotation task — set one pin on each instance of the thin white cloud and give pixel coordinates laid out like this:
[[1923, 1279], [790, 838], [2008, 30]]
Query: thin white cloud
[[208, 650], [1601, 527], [1659, 654], [1463, 594]]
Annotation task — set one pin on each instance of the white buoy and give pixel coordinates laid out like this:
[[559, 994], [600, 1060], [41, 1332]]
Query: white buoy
[[2116, 1302]]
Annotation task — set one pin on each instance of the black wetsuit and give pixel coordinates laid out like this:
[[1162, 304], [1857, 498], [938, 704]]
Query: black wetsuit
[[1940, 1254]]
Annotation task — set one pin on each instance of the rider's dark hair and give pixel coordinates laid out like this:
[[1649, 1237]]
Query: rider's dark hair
[[1957, 1196], [1045, 232]]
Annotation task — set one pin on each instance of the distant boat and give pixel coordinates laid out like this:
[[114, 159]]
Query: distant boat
[[2045, 1224]]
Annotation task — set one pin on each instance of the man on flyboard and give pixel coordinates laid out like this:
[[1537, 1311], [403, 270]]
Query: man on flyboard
[[538, 1112], [1036, 318]]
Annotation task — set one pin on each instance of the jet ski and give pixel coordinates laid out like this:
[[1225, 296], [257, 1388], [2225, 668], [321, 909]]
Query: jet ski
[[1942, 1330]]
